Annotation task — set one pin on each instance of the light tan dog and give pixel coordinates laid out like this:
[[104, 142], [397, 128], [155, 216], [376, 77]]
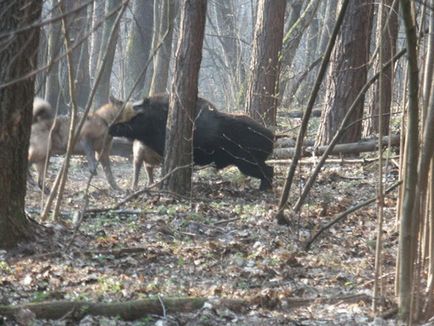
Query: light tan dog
[[93, 139]]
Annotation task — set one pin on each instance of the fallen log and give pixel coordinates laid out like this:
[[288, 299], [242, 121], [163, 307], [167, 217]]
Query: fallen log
[[337, 161], [349, 148], [290, 142], [299, 114], [131, 310]]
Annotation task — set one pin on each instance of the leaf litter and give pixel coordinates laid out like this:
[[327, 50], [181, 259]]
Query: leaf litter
[[222, 241]]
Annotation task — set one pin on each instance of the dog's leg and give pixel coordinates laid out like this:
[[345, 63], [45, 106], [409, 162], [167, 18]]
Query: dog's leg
[[138, 159], [90, 155], [30, 178], [104, 158], [149, 173], [40, 168]]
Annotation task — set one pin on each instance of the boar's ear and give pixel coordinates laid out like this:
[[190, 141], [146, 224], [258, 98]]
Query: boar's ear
[[140, 105], [128, 113], [115, 101]]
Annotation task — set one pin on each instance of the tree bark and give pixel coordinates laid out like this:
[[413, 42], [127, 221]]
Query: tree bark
[[262, 89], [178, 155], [348, 73], [17, 60]]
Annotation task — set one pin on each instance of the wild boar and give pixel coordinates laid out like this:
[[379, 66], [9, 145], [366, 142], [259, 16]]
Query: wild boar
[[219, 138]]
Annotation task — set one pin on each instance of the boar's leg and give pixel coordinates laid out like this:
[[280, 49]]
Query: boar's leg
[[257, 170], [267, 178]]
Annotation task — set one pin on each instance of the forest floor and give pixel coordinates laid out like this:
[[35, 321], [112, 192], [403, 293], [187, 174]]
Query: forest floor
[[221, 242]]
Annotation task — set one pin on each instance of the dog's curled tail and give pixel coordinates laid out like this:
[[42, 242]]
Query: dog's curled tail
[[42, 110]]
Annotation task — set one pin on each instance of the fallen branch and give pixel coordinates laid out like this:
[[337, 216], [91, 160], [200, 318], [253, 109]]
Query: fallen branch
[[344, 214], [130, 310], [340, 161], [349, 148]]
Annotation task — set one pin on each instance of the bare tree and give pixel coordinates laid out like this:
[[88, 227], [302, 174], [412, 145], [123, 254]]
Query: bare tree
[[164, 34], [408, 229], [97, 16], [103, 88], [227, 37], [348, 74], [139, 46], [78, 26], [183, 96], [262, 89], [291, 44], [388, 48], [17, 57], [52, 93]]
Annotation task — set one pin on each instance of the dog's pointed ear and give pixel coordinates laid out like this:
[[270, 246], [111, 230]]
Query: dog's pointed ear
[[115, 101]]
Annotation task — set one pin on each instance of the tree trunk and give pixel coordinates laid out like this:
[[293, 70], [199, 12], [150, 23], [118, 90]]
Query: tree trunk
[[182, 104], [291, 43], [228, 37], [262, 89], [103, 89], [96, 37], [306, 116], [17, 59], [162, 58], [429, 62], [78, 25], [388, 49], [327, 25], [52, 94], [348, 74], [407, 237], [301, 90], [138, 47]]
